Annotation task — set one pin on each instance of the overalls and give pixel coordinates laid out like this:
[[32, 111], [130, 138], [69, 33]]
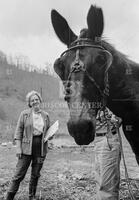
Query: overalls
[[107, 162]]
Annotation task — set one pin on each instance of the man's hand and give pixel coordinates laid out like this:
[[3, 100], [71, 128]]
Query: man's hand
[[119, 121], [114, 119]]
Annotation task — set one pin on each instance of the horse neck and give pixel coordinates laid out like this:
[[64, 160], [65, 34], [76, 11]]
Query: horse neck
[[120, 77]]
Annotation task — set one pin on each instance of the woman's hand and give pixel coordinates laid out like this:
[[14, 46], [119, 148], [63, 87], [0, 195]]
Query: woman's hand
[[19, 152], [18, 149]]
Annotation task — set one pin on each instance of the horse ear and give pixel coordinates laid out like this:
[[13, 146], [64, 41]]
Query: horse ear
[[62, 29], [95, 21]]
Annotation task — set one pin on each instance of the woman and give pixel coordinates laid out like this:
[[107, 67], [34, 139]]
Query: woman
[[29, 135], [107, 156]]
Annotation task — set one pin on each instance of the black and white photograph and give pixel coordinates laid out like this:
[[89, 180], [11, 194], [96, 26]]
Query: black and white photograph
[[69, 100]]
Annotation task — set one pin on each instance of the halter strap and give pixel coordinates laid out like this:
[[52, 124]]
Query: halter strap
[[82, 46], [82, 43]]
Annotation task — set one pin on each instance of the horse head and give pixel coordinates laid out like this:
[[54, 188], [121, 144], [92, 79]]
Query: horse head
[[83, 68]]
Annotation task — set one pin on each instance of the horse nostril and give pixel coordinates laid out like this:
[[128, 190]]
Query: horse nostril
[[68, 94], [66, 98]]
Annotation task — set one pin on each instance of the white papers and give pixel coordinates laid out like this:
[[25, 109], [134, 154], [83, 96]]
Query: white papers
[[51, 131]]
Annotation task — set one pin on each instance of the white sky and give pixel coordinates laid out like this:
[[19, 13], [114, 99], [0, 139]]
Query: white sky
[[25, 26]]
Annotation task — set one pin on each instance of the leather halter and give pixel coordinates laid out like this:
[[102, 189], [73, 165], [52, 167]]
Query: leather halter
[[77, 65]]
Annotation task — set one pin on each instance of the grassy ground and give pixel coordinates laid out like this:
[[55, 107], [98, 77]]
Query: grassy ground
[[67, 174]]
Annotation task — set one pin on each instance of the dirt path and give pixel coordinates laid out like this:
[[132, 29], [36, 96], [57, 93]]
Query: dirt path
[[68, 172]]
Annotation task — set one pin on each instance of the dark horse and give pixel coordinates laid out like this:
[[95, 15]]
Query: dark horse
[[96, 75]]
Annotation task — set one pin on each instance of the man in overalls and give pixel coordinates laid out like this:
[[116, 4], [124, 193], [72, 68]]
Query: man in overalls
[[107, 155]]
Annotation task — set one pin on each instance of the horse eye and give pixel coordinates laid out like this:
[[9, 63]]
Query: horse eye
[[101, 60]]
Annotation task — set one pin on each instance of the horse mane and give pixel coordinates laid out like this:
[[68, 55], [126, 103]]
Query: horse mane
[[120, 59], [124, 74], [118, 56]]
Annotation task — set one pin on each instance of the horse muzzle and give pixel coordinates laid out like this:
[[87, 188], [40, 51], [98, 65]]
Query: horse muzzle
[[83, 131]]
